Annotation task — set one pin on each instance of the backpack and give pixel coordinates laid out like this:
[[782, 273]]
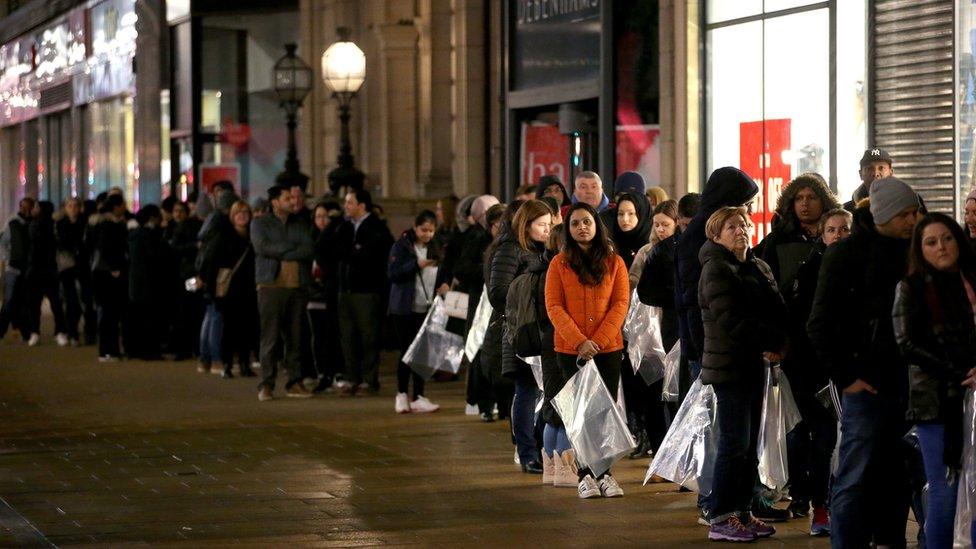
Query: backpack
[[522, 315]]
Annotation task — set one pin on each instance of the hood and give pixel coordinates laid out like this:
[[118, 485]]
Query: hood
[[547, 181], [462, 211], [726, 186], [640, 235], [784, 205], [480, 207], [631, 182]]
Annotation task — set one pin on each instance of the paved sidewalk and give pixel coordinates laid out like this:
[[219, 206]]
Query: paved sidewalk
[[158, 453]]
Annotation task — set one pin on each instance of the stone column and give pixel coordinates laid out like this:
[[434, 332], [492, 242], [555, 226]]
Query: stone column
[[394, 142], [679, 91], [435, 97], [469, 75]]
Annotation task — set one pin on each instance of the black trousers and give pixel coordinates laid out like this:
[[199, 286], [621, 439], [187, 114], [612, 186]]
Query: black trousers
[[407, 327], [239, 314], [76, 293], [145, 329], [185, 330], [43, 285], [110, 296], [15, 300], [360, 321]]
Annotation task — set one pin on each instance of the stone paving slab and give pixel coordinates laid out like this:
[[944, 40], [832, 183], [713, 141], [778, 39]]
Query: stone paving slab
[[139, 453]]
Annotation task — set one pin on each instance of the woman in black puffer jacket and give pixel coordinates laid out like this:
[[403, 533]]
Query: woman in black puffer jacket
[[744, 318], [934, 327], [521, 249]]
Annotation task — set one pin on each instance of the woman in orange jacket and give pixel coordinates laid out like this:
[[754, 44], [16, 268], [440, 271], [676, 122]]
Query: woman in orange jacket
[[587, 295]]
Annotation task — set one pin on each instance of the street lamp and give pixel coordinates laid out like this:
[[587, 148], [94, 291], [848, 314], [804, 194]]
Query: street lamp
[[344, 70], [292, 82]]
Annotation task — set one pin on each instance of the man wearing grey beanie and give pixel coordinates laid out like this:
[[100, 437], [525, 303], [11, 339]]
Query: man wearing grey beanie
[[851, 327]]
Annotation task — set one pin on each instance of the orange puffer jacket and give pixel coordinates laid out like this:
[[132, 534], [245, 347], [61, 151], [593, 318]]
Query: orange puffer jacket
[[580, 312]]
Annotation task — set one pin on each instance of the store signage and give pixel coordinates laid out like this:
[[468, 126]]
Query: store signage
[[210, 174], [545, 151], [554, 42], [113, 28], [761, 147], [639, 150]]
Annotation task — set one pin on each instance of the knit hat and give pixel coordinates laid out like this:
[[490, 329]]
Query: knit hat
[[629, 182], [480, 206], [225, 200], [889, 197]]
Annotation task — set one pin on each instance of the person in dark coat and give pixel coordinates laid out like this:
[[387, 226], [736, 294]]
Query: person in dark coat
[[149, 261], [627, 182], [631, 225], [811, 443], [214, 223], [73, 271], [362, 247], [413, 273], [725, 187], [934, 328], [744, 321], [110, 278], [517, 251], [16, 252], [238, 307], [550, 185], [875, 164], [324, 298], [851, 329], [181, 235], [798, 209], [42, 274]]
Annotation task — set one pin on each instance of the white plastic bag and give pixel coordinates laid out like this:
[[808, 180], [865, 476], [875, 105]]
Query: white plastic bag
[[645, 348], [479, 325], [594, 424], [687, 453], [534, 362], [779, 416], [966, 494], [435, 349], [672, 369]]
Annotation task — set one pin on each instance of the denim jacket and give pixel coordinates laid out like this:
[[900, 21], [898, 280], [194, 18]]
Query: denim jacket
[[275, 242]]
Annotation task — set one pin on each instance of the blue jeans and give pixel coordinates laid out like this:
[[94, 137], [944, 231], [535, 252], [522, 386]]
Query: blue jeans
[[210, 334], [736, 470], [871, 491], [941, 510], [555, 439], [523, 418]]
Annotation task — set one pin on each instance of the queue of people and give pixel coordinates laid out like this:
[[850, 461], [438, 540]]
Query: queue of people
[[871, 304]]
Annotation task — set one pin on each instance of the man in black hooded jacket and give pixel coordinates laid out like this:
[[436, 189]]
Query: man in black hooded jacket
[[15, 242]]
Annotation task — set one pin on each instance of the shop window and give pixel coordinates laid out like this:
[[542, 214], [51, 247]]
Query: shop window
[[638, 95], [768, 96], [966, 98]]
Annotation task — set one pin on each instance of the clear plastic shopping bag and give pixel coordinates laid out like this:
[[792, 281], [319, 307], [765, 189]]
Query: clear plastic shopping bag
[[435, 349], [479, 325], [966, 494], [535, 363], [687, 453], [779, 416], [645, 348], [672, 368], [594, 424]]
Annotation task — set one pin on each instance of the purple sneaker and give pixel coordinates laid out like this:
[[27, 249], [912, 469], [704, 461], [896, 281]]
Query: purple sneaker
[[731, 530], [760, 528]]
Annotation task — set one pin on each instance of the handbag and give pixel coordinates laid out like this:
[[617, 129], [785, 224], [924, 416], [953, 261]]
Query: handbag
[[456, 304], [225, 275]]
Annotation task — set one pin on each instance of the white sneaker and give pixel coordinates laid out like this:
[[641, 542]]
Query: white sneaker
[[588, 488], [609, 487], [73, 343], [402, 405], [34, 340], [422, 405], [471, 410], [62, 340], [108, 358], [255, 365]]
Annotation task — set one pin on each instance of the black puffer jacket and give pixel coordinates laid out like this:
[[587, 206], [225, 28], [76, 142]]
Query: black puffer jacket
[[70, 238], [743, 315], [656, 288], [43, 249], [469, 266], [940, 351], [806, 374], [182, 238], [507, 262], [150, 260], [850, 323]]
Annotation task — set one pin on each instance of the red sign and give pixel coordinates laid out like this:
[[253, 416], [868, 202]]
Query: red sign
[[545, 151], [212, 173], [235, 134], [638, 150], [761, 146]]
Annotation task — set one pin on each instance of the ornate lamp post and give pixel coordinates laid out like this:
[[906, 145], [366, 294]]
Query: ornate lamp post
[[292, 82], [344, 70]]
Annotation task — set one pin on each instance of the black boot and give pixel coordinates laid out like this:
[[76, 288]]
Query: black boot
[[246, 370], [227, 374], [642, 445]]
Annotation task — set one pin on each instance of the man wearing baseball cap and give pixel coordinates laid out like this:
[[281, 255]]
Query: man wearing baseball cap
[[875, 164]]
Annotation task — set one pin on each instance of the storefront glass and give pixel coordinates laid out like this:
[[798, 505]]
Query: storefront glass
[[638, 91], [768, 96], [111, 149], [966, 98]]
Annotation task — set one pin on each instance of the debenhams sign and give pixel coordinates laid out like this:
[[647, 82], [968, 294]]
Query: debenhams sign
[[533, 11]]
